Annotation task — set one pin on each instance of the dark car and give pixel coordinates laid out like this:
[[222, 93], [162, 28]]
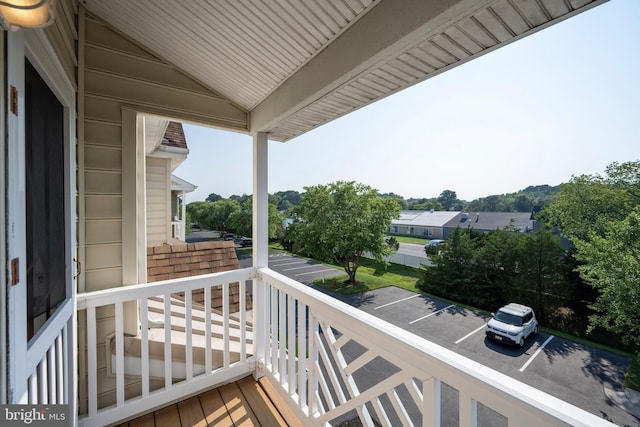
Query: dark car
[[228, 236], [245, 241]]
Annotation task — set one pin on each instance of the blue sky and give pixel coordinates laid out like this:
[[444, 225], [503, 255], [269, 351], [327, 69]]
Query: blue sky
[[564, 101]]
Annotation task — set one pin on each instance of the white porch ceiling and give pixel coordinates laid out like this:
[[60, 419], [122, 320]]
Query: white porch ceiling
[[296, 64]]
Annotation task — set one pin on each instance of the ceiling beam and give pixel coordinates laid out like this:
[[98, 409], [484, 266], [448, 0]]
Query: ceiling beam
[[390, 27]]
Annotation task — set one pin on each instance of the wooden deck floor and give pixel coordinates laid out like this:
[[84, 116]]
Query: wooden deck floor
[[244, 403]]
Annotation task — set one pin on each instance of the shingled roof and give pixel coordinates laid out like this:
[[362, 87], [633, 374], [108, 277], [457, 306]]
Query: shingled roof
[[174, 136]]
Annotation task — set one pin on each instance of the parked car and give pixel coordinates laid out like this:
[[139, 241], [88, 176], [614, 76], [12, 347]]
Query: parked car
[[245, 241], [228, 236], [512, 324], [433, 242], [195, 226]]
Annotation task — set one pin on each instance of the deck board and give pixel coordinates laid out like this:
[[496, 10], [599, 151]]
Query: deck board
[[191, 413], [287, 413], [144, 421], [214, 409], [167, 416], [259, 402], [244, 403], [238, 407]]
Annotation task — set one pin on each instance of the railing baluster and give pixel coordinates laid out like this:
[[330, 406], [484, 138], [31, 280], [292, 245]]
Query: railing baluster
[[51, 373], [167, 341], [382, 414], [302, 355], [144, 346], [33, 389], [431, 395], [92, 363], [65, 386], [274, 331], [468, 408], [313, 356], [291, 344], [282, 336], [225, 323], [401, 411], [42, 381], [188, 349], [328, 365], [208, 363], [242, 289], [60, 364], [119, 354]]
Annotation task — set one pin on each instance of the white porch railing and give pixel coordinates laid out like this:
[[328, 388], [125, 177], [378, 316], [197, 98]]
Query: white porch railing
[[177, 230], [333, 362], [49, 362], [183, 346]]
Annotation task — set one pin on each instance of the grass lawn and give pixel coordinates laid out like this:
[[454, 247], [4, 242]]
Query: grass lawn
[[373, 275], [412, 240]]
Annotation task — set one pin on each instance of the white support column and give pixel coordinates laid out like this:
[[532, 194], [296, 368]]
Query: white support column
[[134, 246], [260, 243], [183, 217]]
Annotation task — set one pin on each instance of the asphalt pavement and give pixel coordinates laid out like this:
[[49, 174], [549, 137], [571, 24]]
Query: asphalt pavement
[[586, 377]]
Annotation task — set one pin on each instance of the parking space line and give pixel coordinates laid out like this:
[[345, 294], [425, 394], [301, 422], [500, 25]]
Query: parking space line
[[429, 315], [289, 263], [469, 334], [300, 268], [536, 353], [395, 302], [315, 272]]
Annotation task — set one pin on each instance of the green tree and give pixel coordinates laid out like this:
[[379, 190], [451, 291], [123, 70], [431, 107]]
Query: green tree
[[201, 212], [454, 270], [242, 220], [611, 264], [425, 205], [213, 197], [587, 203], [404, 205], [522, 203], [542, 278], [287, 199], [221, 213], [341, 221], [601, 215], [449, 200]]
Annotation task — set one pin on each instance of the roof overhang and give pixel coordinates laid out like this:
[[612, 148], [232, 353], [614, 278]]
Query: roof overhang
[[294, 68]]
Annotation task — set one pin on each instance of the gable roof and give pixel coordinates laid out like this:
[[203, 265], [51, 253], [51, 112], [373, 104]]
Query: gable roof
[[413, 218], [489, 221], [179, 184], [174, 136]]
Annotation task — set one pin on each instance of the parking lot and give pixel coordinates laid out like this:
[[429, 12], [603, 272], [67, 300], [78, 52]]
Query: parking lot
[[572, 372]]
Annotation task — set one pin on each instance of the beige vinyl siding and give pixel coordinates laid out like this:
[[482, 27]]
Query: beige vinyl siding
[[116, 74], [63, 36], [158, 200]]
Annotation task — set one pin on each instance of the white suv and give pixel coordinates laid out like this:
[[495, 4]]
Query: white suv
[[512, 324]]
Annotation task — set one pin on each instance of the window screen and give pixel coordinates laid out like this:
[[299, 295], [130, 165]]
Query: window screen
[[45, 219]]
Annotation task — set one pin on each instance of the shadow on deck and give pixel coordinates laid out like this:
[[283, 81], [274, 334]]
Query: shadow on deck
[[245, 402]]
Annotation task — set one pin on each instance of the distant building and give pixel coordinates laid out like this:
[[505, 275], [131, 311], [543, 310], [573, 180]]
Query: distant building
[[427, 224], [440, 224], [490, 221]]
